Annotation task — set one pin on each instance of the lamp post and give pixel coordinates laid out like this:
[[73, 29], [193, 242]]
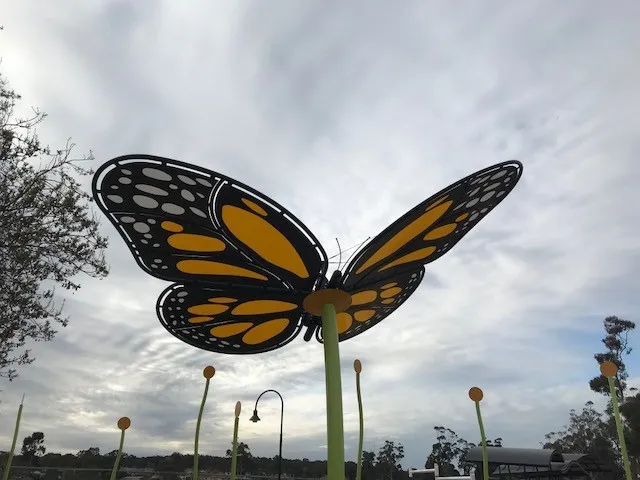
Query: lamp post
[[255, 418]]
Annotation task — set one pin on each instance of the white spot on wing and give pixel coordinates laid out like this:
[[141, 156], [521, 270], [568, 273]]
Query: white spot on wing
[[156, 174], [152, 190], [172, 208], [144, 201]]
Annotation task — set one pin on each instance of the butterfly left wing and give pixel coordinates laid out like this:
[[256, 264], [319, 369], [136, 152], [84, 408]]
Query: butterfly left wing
[[230, 321], [372, 303], [184, 223], [240, 261], [433, 227]]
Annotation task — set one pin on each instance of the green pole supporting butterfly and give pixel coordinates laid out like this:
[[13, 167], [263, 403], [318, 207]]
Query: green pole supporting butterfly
[[335, 431], [248, 277]]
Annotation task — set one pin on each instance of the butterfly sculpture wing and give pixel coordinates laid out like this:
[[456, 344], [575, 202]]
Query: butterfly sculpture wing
[[219, 239], [372, 303], [424, 234], [230, 320]]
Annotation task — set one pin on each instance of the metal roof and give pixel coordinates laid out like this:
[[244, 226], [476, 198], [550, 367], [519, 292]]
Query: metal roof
[[516, 456], [500, 459], [590, 463]]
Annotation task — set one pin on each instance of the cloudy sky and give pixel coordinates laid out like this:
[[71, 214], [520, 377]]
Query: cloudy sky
[[349, 114]]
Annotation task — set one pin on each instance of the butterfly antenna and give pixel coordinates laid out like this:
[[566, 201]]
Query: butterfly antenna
[[347, 249], [339, 253], [357, 249]]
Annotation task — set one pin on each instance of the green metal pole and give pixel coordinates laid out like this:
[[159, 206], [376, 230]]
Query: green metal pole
[[616, 414], [208, 374], [7, 467], [114, 471], [610, 370], [476, 395], [358, 368], [123, 424], [335, 428], [234, 447], [483, 439]]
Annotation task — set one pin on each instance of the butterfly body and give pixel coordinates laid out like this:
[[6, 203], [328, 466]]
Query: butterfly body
[[242, 266]]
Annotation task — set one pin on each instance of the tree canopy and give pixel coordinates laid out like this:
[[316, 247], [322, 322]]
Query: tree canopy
[[33, 446], [48, 232]]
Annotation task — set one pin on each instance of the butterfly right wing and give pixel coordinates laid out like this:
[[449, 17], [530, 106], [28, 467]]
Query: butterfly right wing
[[228, 320], [372, 303], [433, 227]]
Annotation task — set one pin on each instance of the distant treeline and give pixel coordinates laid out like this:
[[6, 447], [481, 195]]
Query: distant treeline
[[385, 464]]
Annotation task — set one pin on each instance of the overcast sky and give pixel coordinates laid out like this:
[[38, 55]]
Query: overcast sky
[[349, 114]]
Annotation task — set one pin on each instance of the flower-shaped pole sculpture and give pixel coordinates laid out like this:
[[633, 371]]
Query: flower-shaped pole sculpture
[[357, 366], [234, 444], [7, 467], [208, 374], [609, 370], [249, 276], [123, 424], [475, 394]]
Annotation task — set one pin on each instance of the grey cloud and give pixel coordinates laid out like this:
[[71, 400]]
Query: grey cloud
[[349, 116]]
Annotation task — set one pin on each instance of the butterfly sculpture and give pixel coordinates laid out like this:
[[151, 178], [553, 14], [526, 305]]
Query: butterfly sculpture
[[242, 265]]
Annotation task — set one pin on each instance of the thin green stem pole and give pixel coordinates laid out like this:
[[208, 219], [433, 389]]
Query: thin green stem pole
[[335, 428], [616, 414], [483, 439], [7, 467], [195, 444], [234, 449], [361, 437], [114, 471]]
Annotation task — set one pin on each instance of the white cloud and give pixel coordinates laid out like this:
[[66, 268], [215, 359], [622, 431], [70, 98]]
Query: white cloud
[[371, 109]]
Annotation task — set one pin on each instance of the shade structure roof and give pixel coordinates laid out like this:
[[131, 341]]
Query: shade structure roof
[[517, 460]]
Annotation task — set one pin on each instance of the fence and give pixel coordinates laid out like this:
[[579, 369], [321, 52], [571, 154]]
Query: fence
[[435, 471], [19, 472]]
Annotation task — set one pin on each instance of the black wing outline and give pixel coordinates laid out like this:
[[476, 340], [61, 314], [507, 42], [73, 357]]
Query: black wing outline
[[198, 214], [199, 316], [433, 227]]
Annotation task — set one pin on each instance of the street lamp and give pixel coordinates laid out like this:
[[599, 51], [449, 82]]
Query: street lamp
[[255, 418]]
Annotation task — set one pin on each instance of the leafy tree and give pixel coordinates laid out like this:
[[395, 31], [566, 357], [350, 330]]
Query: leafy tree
[[243, 450], [218, 466], [497, 443], [48, 233], [89, 458], [449, 452], [89, 452], [445, 452], [114, 454], [388, 459], [630, 411], [244, 456], [368, 465], [617, 346], [587, 432], [594, 432], [33, 446], [172, 463]]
